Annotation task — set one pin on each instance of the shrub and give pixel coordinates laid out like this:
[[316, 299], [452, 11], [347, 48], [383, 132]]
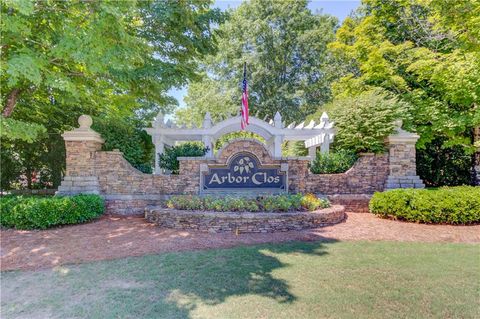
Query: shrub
[[311, 202], [44, 212], [278, 203], [186, 202], [439, 165], [127, 135], [331, 163], [168, 160], [452, 205]]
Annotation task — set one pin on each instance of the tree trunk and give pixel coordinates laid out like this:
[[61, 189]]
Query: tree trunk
[[11, 102], [28, 175], [476, 161]]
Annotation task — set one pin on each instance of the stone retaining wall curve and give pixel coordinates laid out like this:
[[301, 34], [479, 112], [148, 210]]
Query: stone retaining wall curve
[[218, 222]]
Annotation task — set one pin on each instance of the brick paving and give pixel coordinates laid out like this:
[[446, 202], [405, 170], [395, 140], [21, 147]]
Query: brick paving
[[115, 237]]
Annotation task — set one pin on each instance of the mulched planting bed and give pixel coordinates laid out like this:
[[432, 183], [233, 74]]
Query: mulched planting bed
[[113, 237]]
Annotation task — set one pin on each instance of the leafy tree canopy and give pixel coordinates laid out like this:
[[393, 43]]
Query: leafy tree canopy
[[61, 59], [109, 56], [426, 52], [289, 69]]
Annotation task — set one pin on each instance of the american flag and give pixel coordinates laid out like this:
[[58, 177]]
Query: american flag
[[244, 109]]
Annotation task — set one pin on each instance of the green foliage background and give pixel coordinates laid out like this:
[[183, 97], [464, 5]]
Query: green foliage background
[[112, 60], [289, 68], [418, 61], [168, 160], [128, 136], [333, 162], [363, 121], [427, 54]]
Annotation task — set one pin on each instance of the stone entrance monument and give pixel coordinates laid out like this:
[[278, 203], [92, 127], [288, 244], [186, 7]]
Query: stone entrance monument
[[243, 166]]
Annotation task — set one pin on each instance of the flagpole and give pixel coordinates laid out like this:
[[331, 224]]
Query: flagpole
[[244, 105]]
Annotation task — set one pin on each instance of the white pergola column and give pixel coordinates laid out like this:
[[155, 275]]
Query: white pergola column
[[277, 145], [325, 146], [208, 142], [312, 152], [270, 145], [159, 148]]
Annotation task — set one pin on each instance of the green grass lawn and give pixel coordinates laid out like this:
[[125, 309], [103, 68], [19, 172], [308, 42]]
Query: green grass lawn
[[292, 280]]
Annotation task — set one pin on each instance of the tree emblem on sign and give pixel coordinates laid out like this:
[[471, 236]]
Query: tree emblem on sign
[[245, 164]]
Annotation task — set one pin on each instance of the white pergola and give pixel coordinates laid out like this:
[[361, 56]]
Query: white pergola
[[274, 132]]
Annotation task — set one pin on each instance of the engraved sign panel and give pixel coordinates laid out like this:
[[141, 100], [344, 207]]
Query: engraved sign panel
[[244, 171]]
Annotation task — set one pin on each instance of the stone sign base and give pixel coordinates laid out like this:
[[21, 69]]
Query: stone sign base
[[219, 222], [353, 203]]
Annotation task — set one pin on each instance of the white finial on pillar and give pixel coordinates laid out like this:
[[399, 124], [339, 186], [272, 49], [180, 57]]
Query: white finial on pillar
[[85, 121], [277, 119], [207, 121]]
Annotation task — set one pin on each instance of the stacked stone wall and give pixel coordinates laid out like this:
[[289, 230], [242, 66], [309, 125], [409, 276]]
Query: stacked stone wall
[[367, 176], [353, 203], [116, 176], [128, 191], [218, 222]]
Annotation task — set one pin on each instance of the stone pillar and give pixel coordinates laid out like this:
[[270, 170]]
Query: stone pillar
[[402, 162], [81, 145]]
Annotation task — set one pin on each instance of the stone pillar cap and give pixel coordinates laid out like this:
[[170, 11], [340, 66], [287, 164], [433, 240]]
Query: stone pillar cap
[[84, 132], [402, 136]]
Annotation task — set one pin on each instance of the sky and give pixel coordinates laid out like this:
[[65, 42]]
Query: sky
[[339, 8]]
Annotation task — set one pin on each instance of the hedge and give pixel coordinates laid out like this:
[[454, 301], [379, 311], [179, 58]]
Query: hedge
[[276, 203], [44, 212], [169, 159], [450, 205], [333, 163]]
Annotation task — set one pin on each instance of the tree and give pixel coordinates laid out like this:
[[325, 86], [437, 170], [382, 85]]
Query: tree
[[211, 96], [289, 69], [61, 59], [363, 121], [425, 52], [67, 49], [119, 54], [127, 135]]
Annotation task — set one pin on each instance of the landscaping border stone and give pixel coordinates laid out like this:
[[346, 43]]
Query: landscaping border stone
[[243, 222]]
